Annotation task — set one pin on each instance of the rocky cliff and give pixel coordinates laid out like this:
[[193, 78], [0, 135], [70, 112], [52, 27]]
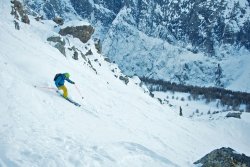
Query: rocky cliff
[[176, 40]]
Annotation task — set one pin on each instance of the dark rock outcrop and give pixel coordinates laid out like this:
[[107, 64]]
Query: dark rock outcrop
[[234, 115], [83, 33], [89, 52], [124, 79], [56, 39], [61, 48], [25, 19], [107, 59], [59, 43], [98, 46], [75, 52], [17, 27], [39, 18], [224, 157], [18, 7], [58, 20]]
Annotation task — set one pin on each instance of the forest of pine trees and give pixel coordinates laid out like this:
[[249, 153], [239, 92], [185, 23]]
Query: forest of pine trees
[[226, 97]]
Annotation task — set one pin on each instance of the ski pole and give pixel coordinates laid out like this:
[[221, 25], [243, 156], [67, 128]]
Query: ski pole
[[78, 91], [43, 87]]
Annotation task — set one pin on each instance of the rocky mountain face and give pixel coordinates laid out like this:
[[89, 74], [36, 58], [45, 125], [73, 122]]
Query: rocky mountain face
[[204, 24], [179, 40]]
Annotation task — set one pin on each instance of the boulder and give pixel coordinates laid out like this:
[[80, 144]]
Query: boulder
[[60, 43], [107, 60], [125, 79], [224, 157], [234, 115], [75, 55], [89, 52], [25, 19], [58, 20], [83, 33]]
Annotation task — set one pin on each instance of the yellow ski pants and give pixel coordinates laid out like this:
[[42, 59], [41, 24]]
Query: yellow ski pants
[[65, 91]]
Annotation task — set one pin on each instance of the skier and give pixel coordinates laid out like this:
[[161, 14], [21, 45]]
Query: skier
[[59, 82]]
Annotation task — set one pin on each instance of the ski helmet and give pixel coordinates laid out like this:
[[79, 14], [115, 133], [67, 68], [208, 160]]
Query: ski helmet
[[67, 75]]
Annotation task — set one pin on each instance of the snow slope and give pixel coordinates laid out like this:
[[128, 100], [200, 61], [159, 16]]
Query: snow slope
[[198, 109], [117, 125]]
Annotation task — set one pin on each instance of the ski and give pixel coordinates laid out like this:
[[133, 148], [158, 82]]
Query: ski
[[70, 100], [73, 102]]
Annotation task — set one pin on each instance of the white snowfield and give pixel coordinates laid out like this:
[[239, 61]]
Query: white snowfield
[[117, 125]]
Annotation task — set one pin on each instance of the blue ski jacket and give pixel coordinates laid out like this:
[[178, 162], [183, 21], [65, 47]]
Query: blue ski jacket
[[61, 79]]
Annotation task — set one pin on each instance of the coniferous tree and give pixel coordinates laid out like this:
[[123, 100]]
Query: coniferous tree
[[180, 111], [218, 74]]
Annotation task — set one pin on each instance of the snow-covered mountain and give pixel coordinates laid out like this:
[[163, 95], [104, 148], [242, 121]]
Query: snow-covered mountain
[[179, 41], [118, 124]]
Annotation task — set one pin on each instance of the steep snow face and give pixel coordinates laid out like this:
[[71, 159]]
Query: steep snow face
[[117, 125]]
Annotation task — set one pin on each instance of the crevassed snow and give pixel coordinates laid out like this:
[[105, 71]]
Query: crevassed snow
[[117, 125]]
